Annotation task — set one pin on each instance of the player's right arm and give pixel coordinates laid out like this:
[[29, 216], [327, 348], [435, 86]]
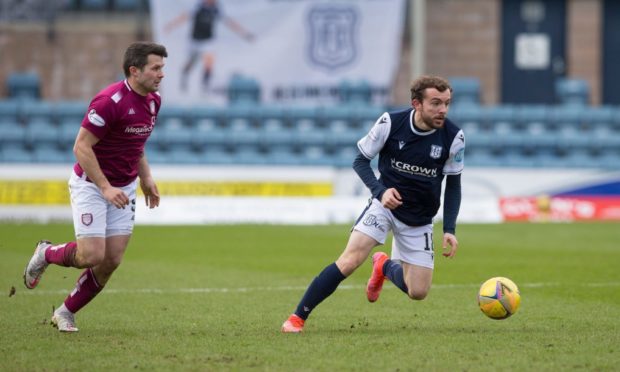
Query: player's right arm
[[85, 155], [369, 147]]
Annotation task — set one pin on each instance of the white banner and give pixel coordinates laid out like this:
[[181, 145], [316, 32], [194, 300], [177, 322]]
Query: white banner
[[298, 51]]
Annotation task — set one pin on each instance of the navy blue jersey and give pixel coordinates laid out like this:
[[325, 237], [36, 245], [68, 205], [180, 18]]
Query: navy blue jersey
[[414, 162]]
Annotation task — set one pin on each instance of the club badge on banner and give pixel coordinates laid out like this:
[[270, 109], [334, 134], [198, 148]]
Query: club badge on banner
[[297, 51]]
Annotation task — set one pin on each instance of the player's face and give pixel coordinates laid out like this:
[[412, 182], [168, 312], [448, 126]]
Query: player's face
[[433, 108], [148, 79]]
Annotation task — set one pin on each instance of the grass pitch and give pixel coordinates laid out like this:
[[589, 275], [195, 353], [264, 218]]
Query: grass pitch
[[214, 297]]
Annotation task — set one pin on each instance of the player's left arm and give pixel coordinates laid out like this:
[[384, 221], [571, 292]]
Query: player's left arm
[[452, 194], [147, 183], [451, 206]]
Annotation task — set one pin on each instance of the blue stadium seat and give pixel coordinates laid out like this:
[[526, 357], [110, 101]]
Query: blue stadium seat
[[315, 155], [364, 117], [11, 131], [15, 153], [343, 156], [9, 110], [283, 155], [531, 116], [243, 90], [94, 5], [70, 111], [172, 132], [37, 111], [183, 155], [465, 91], [572, 91], [241, 132], [250, 155], [470, 118], [41, 131], [50, 153], [155, 155], [355, 93], [126, 5], [206, 132], [216, 154], [67, 132], [24, 85], [271, 116]]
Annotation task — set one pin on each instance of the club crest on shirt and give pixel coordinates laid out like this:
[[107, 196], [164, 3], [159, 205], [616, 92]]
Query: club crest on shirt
[[152, 107], [435, 151], [87, 219]]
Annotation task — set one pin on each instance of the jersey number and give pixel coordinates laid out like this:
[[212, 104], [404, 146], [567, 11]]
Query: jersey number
[[428, 237]]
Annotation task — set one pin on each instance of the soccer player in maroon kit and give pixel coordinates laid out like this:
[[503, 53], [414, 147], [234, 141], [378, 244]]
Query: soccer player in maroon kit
[[109, 149]]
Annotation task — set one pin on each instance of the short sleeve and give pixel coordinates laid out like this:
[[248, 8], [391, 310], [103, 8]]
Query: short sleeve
[[456, 160], [99, 116], [372, 143]]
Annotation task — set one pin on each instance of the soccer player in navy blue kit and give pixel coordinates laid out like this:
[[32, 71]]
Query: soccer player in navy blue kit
[[418, 148]]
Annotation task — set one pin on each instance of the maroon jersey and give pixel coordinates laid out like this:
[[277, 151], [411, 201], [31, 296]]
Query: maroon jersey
[[122, 120]]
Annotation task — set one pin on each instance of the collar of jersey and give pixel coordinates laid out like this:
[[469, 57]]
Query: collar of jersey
[[414, 130]]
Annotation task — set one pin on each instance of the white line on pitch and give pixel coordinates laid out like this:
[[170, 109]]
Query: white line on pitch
[[286, 288]]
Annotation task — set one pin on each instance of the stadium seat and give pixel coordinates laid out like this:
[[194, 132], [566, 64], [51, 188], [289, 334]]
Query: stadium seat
[[315, 155], [465, 91], [41, 131], [243, 90], [51, 153], [250, 155], [531, 117], [343, 156], [470, 118], [9, 110], [67, 132], [11, 131], [126, 5], [94, 5], [37, 111], [172, 132], [283, 155], [216, 154], [572, 91], [70, 111], [205, 132], [355, 93], [24, 85], [15, 153], [156, 155]]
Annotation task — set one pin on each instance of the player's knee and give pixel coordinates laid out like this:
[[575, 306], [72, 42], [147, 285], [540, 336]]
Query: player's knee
[[348, 264], [417, 293], [91, 258]]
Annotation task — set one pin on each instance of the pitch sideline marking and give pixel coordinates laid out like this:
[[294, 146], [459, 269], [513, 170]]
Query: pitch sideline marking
[[287, 288]]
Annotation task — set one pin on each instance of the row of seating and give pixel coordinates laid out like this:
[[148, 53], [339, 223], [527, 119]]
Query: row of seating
[[338, 156]]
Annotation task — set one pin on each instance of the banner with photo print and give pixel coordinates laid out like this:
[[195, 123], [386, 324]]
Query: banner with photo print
[[297, 51]]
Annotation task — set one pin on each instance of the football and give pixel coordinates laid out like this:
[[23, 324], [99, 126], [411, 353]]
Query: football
[[499, 298]]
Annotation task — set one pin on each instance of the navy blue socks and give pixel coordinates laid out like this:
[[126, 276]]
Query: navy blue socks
[[321, 287], [394, 272]]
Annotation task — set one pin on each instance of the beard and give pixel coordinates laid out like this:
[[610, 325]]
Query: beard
[[434, 123]]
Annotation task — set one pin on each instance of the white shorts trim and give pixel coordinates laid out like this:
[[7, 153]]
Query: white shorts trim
[[411, 244], [93, 216]]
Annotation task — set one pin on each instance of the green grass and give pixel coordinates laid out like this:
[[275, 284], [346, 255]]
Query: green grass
[[248, 279]]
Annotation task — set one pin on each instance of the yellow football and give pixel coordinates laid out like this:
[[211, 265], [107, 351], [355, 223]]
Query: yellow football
[[499, 298]]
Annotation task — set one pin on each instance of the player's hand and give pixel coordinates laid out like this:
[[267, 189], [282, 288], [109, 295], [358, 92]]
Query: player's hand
[[391, 199], [115, 196], [151, 194], [450, 245]]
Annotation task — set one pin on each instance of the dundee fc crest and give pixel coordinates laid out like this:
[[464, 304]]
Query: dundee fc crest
[[332, 36]]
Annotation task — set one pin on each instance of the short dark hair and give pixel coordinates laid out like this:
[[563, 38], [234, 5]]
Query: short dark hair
[[420, 84], [137, 54]]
